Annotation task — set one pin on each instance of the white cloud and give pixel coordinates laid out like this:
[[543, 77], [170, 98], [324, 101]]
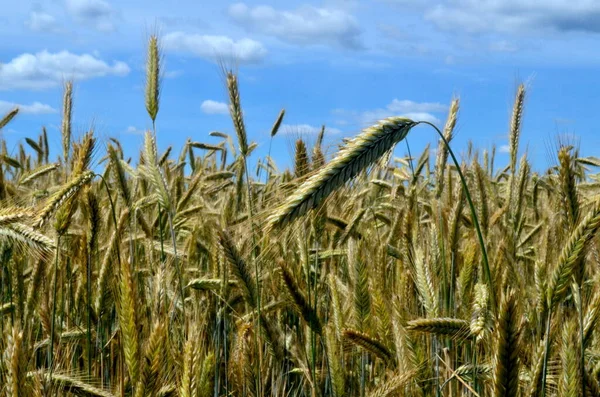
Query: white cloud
[[96, 13], [45, 70], [406, 105], [307, 25], [214, 107], [504, 149], [134, 131], [215, 47], [418, 111], [373, 116], [34, 108], [305, 129], [40, 21], [516, 15]]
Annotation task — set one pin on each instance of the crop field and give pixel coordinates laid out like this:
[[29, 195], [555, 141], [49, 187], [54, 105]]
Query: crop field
[[191, 273]]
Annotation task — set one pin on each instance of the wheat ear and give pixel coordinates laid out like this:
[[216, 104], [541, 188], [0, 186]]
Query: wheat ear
[[370, 344], [64, 194], [38, 172], [240, 269], [442, 151], [153, 77], [299, 301], [452, 327], [572, 252], [393, 386], [357, 155], [66, 119], [506, 370], [8, 117], [277, 123], [515, 126], [74, 386], [235, 108]]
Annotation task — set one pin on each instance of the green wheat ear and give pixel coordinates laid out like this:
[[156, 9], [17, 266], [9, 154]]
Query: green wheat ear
[[66, 120], [8, 117], [153, 69]]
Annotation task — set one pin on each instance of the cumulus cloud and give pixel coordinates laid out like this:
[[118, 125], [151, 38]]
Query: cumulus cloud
[[40, 21], [419, 111], [34, 108], [134, 131], [214, 107], [504, 149], [95, 13], [305, 129], [306, 25], [215, 47], [406, 105], [516, 15], [46, 70]]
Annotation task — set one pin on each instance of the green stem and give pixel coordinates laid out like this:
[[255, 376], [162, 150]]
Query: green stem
[[486, 265], [177, 268], [118, 252], [313, 336], [162, 251], [89, 311], [267, 165], [54, 288], [256, 274], [581, 347], [546, 354]]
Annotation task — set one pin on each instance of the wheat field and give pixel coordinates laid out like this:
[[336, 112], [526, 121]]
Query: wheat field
[[356, 274]]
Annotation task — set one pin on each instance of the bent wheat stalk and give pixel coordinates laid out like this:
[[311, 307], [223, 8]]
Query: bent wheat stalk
[[486, 264], [357, 155]]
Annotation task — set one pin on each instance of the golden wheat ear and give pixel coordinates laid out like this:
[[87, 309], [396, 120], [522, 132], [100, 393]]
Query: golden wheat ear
[[240, 269], [451, 327], [299, 301], [506, 359], [67, 192], [360, 153], [235, 109], [73, 385], [442, 151], [370, 344]]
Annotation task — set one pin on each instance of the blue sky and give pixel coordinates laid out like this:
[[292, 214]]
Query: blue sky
[[342, 63]]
